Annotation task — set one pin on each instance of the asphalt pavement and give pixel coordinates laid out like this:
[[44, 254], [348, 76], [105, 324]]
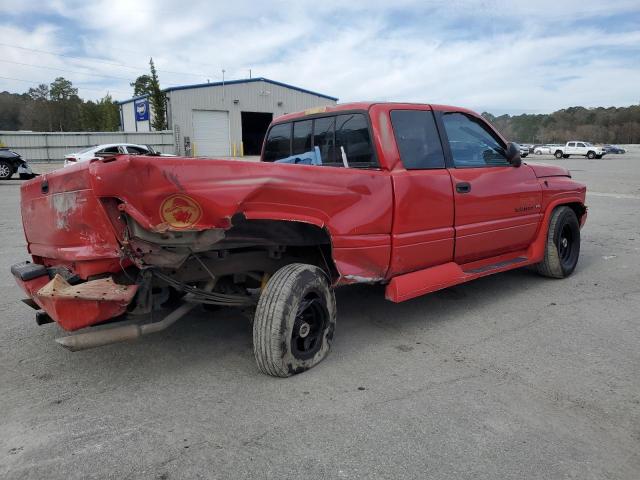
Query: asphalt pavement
[[512, 376]]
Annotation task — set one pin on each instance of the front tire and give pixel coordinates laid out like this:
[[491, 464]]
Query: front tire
[[6, 170], [591, 155], [294, 321], [563, 244]]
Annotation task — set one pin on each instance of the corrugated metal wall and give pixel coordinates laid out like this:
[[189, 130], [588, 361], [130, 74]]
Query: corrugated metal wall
[[46, 147], [251, 97]]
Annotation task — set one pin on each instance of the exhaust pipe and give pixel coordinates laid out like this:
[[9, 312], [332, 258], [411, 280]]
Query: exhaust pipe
[[84, 341]]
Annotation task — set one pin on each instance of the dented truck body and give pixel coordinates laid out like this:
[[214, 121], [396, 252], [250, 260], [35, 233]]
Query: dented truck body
[[126, 235]]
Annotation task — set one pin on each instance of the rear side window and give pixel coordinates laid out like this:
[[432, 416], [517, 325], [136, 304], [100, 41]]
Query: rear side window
[[110, 150], [352, 137], [137, 150], [324, 139], [302, 136], [278, 144], [417, 139], [321, 141]]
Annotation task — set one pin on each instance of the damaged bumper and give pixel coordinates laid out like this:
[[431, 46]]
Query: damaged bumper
[[73, 306]]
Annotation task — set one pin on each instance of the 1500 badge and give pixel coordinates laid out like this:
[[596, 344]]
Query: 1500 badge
[[527, 208]]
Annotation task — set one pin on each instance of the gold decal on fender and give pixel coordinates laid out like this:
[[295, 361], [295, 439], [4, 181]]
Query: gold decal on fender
[[180, 211]]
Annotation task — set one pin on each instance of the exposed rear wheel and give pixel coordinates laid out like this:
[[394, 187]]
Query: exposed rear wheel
[[563, 244], [294, 321], [6, 170], [558, 154]]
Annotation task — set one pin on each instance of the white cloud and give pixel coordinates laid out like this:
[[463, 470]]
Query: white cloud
[[487, 55]]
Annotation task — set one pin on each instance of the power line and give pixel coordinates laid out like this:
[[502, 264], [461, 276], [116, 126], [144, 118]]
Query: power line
[[65, 70], [105, 62], [36, 82]]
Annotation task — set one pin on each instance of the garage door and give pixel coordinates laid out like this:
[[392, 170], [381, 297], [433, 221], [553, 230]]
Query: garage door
[[210, 133]]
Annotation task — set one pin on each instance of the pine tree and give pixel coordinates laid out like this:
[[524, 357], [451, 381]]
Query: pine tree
[[157, 100]]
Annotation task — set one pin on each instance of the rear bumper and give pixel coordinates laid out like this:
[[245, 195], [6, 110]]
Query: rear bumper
[[73, 306]]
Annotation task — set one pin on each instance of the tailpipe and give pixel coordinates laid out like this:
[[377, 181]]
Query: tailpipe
[[99, 338]]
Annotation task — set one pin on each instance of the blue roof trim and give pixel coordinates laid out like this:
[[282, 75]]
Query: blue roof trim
[[139, 97], [235, 82]]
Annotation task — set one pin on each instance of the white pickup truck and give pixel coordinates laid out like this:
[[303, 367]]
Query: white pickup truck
[[585, 149]]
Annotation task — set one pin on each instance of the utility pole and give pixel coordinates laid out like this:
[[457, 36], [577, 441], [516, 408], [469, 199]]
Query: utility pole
[[223, 84]]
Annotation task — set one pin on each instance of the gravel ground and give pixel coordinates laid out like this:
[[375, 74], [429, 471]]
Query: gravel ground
[[510, 376]]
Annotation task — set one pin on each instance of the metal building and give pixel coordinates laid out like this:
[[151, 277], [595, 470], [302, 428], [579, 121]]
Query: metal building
[[224, 118]]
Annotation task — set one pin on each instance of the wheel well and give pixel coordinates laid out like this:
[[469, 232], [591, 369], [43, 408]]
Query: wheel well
[[298, 239], [578, 208]]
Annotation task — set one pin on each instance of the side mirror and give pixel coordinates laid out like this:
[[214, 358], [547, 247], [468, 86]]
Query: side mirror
[[513, 154]]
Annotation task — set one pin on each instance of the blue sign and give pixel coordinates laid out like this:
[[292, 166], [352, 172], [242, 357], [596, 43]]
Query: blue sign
[[142, 109]]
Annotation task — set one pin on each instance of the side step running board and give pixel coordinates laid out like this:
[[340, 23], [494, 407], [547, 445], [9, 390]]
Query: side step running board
[[497, 266], [414, 284]]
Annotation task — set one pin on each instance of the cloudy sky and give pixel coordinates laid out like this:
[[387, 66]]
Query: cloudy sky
[[495, 55]]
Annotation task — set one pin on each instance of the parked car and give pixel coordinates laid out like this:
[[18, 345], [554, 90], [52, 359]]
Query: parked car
[[614, 149], [11, 163], [542, 149], [331, 203], [584, 149], [524, 150], [546, 149], [111, 148]]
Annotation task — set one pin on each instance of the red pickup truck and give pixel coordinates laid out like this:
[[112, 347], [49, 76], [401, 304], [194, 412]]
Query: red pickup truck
[[414, 197]]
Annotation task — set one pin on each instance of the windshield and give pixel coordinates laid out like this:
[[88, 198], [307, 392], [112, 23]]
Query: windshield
[[588, 144]]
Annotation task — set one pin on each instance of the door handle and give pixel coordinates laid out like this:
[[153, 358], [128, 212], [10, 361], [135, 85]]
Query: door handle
[[463, 187]]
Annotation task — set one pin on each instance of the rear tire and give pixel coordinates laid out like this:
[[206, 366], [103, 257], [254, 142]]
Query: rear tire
[[6, 170], [558, 154], [563, 244], [294, 321], [565, 156]]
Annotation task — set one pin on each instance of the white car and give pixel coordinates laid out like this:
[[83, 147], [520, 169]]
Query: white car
[[543, 150], [114, 148]]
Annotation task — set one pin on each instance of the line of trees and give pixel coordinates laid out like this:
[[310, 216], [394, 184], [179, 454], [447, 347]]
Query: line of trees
[[598, 125], [57, 107]]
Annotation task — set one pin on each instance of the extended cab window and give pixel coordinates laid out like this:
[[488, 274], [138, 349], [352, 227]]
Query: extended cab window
[[472, 143], [278, 144], [352, 137], [417, 139], [322, 141], [302, 136]]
